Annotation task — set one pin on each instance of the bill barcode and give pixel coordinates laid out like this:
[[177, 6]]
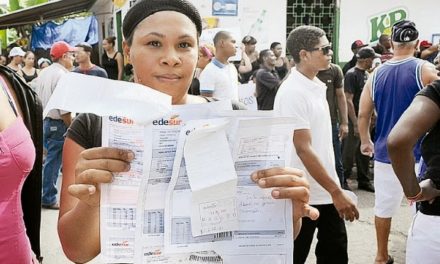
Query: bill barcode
[[223, 235], [206, 259]]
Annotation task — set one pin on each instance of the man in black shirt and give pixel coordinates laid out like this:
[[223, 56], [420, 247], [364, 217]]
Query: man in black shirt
[[267, 80], [355, 47], [354, 82]]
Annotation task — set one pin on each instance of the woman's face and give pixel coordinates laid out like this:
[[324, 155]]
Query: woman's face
[[30, 60], [277, 50], [106, 45], [249, 48], [164, 53]]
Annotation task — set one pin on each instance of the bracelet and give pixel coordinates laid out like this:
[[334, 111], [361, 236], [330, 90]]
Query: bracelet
[[415, 198]]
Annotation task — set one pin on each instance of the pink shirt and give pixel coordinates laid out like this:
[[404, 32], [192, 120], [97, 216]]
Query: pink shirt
[[17, 156]]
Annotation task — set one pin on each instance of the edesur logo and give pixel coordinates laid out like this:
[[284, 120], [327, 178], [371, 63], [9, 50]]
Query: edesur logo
[[382, 23], [172, 121]]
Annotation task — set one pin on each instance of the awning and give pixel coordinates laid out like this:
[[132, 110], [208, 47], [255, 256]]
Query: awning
[[47, 11]]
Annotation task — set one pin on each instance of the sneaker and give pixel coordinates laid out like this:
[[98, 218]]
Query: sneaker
[[366, 187]]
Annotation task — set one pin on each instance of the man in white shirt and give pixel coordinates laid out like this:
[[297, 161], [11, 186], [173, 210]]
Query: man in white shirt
[[302, 96], [219, 79], [56, 123]]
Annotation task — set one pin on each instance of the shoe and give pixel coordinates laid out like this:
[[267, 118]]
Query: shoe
[[366, 187], [346, 187], [390, 260], [54, 206]]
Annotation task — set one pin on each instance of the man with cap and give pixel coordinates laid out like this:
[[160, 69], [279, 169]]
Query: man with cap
[[355, 46], [428, 50], [57, 121], [389, 91], [354, 82], [16, 54], [85, 65]]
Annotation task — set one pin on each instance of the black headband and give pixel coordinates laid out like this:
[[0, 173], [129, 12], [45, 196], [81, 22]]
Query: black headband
[[404, 31], [145, 8]]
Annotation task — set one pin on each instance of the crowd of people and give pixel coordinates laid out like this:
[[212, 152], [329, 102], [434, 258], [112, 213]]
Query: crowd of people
[[378, 96]]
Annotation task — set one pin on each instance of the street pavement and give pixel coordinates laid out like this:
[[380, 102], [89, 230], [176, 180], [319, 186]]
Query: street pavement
[[361, 234]]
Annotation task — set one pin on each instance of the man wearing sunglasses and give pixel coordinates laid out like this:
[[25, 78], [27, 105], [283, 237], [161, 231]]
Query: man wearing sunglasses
[[302, 96]]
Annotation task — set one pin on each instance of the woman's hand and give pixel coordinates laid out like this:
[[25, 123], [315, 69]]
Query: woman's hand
[[95, 166], [288, 183]]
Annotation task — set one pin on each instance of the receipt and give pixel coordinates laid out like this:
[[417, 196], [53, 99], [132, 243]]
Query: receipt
[[213, 181], [82, 93]]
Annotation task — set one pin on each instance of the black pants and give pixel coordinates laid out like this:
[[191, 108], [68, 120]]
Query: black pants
[[332, 238], [350, 149]]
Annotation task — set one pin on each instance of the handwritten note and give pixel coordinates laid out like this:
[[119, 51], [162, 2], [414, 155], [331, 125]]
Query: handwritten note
[[213, 181]]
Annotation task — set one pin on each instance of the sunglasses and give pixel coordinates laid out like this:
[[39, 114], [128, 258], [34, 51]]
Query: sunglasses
[[325, 49]]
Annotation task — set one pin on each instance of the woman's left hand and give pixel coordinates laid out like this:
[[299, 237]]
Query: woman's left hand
[[288, 183]]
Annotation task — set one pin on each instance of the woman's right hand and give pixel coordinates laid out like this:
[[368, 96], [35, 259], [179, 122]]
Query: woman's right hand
[[95, 166]]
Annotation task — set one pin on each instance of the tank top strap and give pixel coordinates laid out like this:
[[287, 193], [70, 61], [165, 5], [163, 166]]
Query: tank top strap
[[8, 94]]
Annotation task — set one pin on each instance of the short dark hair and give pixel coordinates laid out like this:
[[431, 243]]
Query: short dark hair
[[263, 54], [274, 44], [303, 38], [86, 46], [221, 35]]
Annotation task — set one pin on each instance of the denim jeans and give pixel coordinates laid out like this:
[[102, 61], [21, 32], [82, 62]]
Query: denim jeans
[[337, 151], [53, 132]]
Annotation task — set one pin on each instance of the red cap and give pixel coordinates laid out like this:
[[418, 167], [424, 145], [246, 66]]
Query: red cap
[[358, 44], [425, 44], [59, 48]]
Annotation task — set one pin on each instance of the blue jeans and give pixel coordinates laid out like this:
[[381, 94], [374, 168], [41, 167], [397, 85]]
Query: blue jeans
[[53, 132], [337, 151]]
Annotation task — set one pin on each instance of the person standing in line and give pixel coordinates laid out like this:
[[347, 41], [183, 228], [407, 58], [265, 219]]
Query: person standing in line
[[354, 82], [302, 96], [57, 121], [83, 54], [267, 80], [333, 78], [219, 79], [389, 91], [355, 47], [112, 60], [29, 72], [250, 55], [16, 54], [282, 65]]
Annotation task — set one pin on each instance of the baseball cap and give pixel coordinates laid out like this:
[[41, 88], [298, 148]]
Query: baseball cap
[[358, 44], [59, 48], [367, 52], [404, 31], [16, 51], [425, 44]]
